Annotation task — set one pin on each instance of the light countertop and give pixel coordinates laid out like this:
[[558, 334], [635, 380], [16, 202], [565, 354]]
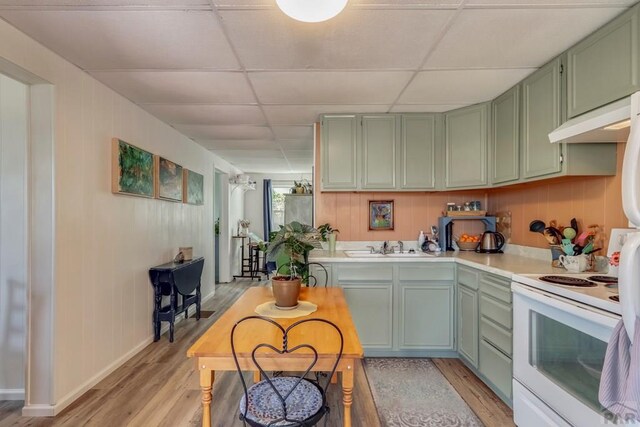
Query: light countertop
[[501, 264]]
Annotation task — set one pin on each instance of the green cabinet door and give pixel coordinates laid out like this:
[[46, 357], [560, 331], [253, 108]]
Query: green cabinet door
[[425, 316], [605, 66], [417, 152], [379, 143], [468, 324], [541, 100], [466, 145], [505, 137], [338, 159], [371, 307]]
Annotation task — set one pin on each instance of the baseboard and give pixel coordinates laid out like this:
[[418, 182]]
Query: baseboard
[[39, 410], [11, 394]]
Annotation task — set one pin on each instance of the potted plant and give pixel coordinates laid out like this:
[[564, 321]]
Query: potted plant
[[298, 187], [289, 249], [329, 234]]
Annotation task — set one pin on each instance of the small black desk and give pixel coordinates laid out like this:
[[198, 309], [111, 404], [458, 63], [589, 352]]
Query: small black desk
[[171, 279]]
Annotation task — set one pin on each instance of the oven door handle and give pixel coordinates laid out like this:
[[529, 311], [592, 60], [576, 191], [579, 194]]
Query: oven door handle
[[566, 305]]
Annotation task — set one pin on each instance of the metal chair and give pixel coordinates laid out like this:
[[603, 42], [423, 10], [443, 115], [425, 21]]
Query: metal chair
[[313, 279], [283, 401]]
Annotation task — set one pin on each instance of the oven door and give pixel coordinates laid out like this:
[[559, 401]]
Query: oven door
[[559, 347]]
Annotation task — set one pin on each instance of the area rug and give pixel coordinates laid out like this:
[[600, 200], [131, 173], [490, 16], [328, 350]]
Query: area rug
[[413, 393]]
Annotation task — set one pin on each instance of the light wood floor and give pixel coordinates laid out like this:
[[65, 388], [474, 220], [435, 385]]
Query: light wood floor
[[159, 387]]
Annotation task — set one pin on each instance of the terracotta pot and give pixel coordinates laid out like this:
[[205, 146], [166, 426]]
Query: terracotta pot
[[286, 291], [299, 190]]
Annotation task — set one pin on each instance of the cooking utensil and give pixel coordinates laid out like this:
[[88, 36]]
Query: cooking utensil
[[569, 233], [574, 224], [537, 226], [551, 237], [567, 247], [588, 248]]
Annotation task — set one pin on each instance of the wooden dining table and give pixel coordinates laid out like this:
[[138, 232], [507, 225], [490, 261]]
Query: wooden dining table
[[212, 352]]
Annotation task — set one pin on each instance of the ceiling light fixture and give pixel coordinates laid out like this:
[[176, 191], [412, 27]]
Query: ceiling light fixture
[[311, 10]]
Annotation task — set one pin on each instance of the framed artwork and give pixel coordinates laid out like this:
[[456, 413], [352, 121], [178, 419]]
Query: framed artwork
[[380, 214], [193, 193], [132, 170], [169, 176]]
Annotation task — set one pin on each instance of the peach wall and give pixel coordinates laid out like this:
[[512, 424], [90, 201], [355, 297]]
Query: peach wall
[[591, 200]]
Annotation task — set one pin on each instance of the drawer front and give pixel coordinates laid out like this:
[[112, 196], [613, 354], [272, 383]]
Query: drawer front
[[496, 367], [497, 336], [497, 288], [468, 277], [436, 272], [497, 311], [365, 272]]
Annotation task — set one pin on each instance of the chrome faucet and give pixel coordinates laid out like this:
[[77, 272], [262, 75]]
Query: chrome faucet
[[401, 245], [385, 247]]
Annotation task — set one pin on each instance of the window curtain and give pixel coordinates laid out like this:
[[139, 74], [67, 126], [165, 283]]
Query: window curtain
[[267, 207]]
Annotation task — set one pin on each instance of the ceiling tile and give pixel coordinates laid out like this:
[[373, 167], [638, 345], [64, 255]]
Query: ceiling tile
[[307, 114], [355, 39], [225, 132], [293, 132], [241, 154], [503, 38], [170, 87], [261, 165], [438, 108], [299, 154], [104, 40], [460, 86], [329, 87], [207, 114], [238, 144], [295, 144]]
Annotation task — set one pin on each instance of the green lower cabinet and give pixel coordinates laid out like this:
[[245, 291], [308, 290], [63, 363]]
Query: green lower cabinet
[[468, 324], [497, 369], [426, 316], [371, 307]]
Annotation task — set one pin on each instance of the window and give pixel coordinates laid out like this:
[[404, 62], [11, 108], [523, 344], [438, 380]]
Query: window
[[277, 207]]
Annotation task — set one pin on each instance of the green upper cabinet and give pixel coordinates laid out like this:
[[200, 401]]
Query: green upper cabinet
[[604, 67], [505, 137], [339, 152], [379, 141], [466, 145], [541, 100], [417, 152]]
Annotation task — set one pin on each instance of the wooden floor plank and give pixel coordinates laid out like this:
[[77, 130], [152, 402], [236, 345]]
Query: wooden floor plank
[[487, 406]]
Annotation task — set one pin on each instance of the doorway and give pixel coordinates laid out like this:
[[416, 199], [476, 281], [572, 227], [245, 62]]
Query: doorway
[[217, 217], [14, 251]]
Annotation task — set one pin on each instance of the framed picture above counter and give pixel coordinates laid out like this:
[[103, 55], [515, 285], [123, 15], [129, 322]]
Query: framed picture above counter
[[380, 214]]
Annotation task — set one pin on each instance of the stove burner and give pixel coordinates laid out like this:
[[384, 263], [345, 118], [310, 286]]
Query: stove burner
[[604, 279], [616, 298], [568, 281]]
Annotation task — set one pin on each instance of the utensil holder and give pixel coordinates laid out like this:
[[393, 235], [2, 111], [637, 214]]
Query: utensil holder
[[556, 251]]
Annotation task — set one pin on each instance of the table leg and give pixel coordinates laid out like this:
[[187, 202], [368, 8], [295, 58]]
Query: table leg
[[347, 389], [206, 384], [257, 377]]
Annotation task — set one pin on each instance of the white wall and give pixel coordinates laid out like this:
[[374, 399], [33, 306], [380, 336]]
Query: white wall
[[105, 243], [13, 236], [253, 200]]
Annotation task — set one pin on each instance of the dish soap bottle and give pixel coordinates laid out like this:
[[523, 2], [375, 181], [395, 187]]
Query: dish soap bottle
[[421, 239]]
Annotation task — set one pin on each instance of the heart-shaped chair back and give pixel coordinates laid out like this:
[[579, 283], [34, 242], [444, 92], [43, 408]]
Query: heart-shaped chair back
[[283, 350]]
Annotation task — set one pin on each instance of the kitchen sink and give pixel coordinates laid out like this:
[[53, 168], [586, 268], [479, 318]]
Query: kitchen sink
[[368, 254], [363, 254]]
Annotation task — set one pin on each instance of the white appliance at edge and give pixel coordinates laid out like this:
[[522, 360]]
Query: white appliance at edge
[[629, 270]]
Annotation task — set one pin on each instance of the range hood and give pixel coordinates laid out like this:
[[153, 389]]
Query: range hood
[[609, 123]]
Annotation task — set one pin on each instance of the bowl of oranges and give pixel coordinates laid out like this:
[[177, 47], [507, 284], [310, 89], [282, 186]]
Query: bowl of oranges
[[467, 242]]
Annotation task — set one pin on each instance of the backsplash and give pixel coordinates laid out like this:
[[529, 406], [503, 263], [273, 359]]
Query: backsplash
[[591, 200]]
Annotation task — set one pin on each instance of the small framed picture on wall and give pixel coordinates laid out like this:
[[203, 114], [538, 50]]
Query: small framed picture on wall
[[380, 214]]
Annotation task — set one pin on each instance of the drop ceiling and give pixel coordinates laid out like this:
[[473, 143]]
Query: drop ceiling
[[247, 82]]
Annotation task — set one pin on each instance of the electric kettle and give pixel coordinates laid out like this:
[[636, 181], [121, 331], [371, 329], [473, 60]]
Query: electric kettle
[[491, 242]]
